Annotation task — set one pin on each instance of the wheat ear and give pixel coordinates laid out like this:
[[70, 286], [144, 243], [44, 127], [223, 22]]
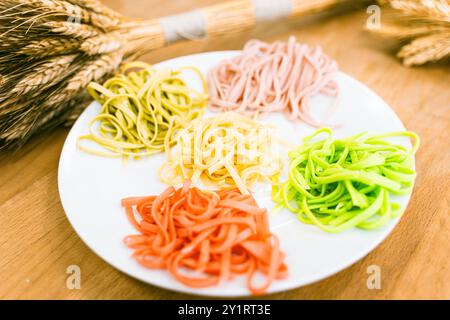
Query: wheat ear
[[95, 70], [434, 9], [45, 75], [71, 29], [103, 43], [50, 46], [426, 49]]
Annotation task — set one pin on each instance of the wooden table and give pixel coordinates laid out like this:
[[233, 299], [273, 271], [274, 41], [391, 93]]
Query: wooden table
[[37, 243]]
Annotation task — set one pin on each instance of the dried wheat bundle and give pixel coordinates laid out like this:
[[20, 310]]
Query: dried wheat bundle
[[421, 26], [51, 49]]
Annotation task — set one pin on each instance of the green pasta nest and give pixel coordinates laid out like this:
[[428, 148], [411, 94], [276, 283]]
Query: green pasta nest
[[338, 184]]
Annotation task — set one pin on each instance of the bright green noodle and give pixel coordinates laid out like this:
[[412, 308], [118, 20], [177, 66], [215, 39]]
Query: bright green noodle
[[345, 183], [142, 110]]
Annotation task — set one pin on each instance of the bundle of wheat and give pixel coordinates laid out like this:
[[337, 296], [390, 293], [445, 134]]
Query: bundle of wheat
[[421, 26], [51, 49]]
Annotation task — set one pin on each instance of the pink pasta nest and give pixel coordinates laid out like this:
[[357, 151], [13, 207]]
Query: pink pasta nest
[[266, 78]]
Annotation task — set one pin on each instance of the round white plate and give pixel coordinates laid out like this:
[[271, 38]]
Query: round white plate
[[91, 188]]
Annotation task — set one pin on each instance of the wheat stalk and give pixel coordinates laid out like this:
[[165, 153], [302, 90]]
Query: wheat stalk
[[61, 46], [425, 24], [433, 9], [97, 7], [58, 7]]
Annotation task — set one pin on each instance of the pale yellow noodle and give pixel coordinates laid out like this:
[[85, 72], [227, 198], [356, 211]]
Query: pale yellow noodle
[[228, 150]]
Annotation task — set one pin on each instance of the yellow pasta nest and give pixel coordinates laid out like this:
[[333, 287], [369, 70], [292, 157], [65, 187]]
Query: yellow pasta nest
[[142, 109], [228, 150]]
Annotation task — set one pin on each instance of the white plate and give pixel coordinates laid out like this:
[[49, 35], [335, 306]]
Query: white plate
[[91, 188]]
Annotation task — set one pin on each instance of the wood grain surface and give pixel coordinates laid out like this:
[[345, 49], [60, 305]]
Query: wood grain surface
[[37, 243]]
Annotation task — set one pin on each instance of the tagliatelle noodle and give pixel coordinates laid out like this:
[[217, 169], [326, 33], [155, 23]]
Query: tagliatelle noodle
[[215, 235], [228, 150], [142, 110], [278, 77], [338, 184]]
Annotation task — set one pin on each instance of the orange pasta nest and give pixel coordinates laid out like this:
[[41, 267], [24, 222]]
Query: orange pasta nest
[[203, 237]]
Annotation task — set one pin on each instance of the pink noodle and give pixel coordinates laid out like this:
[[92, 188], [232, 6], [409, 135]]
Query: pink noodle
[[274, 77]]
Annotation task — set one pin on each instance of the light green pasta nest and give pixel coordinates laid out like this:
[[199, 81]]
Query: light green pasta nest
[[337, 184], [142, 110]]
